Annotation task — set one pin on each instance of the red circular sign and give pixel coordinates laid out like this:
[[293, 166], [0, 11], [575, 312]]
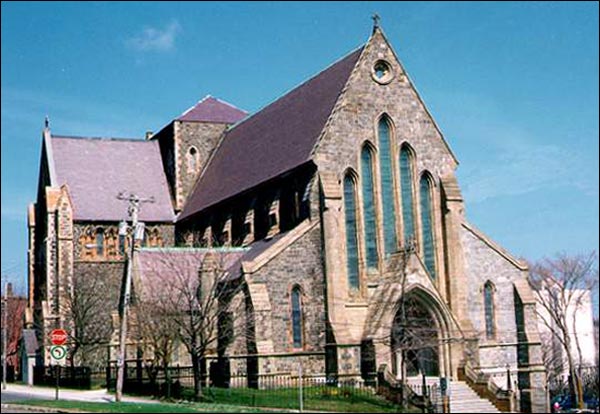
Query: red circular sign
[[58, 336]]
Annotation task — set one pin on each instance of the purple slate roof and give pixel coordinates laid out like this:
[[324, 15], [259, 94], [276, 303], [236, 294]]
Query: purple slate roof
[[97, 169], [164, 270], [276, 139], [211, 109]]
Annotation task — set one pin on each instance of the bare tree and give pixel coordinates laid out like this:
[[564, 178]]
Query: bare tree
[[561, 285], [87, 310], [158, 332], [197, 292]]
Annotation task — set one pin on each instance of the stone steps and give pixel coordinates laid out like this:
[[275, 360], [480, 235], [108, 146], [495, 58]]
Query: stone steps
[[463, 399]]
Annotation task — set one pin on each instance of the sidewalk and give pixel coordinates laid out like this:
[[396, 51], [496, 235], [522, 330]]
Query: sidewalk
[[48, 393]]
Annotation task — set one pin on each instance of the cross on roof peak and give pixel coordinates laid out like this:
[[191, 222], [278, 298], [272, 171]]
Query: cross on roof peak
[[376, 20]]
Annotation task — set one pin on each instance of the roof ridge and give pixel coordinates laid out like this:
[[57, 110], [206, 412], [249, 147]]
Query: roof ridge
[[194, 105], [228, 104], [335, 77], [201, 111], [79, 137], [172, 249], [288, 91]]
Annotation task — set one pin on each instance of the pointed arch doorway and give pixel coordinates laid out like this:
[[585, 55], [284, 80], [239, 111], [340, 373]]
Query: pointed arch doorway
[[416, 339]]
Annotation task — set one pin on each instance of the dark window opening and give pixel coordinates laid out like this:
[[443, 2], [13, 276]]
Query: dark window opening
[[296, 318], [100, 242]]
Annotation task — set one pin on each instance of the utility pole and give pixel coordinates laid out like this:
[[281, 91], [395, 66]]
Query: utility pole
[[4, 335], [407, 250], [136, 232]]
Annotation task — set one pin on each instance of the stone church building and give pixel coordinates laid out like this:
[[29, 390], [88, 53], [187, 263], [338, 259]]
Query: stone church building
[[339, 209]]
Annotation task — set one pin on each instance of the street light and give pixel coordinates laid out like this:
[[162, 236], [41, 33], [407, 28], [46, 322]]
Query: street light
[[136, 231]]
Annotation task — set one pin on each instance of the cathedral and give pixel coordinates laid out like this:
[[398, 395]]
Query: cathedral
[[338, 209]]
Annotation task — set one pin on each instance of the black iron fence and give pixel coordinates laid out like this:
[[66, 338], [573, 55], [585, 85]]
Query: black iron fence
[[10, 373], [69, 377], [283, 390]]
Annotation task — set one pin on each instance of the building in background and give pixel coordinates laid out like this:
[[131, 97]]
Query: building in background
[[14, 307]]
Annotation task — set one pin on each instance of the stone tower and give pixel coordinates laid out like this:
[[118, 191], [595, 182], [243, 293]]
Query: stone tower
[[188, 141]]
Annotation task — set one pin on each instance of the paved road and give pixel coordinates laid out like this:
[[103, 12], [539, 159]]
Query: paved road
[[11, 396], [16, 392]]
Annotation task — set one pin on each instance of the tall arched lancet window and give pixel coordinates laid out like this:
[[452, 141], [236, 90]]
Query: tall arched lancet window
[[100, 242], [296, 317], [368, 195], [406, 191], [387, 189], [427, 224], [488, 305], [351, 236]]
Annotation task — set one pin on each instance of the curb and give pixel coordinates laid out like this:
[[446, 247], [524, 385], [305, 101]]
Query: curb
[[37, 408]]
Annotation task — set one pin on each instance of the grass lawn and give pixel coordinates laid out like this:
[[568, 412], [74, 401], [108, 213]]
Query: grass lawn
[[124, 407], [317, 398]]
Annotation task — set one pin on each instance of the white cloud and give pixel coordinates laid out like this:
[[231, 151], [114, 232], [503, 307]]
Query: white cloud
[[504, 158], [520, 169], [152, 39]]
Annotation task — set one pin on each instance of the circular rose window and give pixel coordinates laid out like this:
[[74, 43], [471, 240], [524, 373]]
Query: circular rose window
[[382, 72]]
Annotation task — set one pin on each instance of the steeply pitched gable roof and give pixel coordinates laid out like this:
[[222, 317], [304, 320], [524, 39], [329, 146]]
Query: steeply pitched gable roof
[[276, 139], [213, 110], [97, 169]]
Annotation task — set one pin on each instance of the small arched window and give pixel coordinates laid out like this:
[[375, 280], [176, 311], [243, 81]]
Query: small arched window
[[351, 232], [488, 305], [368, 195], [427, 224], [296, 317], [122, 244], [387, 189], [406, 191], [100, 242], [192, 159]]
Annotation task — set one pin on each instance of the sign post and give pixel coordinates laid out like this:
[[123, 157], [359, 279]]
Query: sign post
[[58, 353]]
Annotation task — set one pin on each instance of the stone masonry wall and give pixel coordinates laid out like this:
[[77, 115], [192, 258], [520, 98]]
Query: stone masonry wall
[[298, 264], [202, 136], [361, 105], [483, 264], [354, 123]]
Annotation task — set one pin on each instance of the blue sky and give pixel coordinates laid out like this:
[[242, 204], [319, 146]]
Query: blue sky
[[513, 86]]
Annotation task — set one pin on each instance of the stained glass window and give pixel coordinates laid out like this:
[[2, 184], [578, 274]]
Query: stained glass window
[[387, 189], [406, 191], [351, 239], [427, 225], [296, 318], [488, 303], [368, 195]]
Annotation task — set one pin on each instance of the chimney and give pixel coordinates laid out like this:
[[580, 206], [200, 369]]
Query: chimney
[[149, 134], [9, 291]]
